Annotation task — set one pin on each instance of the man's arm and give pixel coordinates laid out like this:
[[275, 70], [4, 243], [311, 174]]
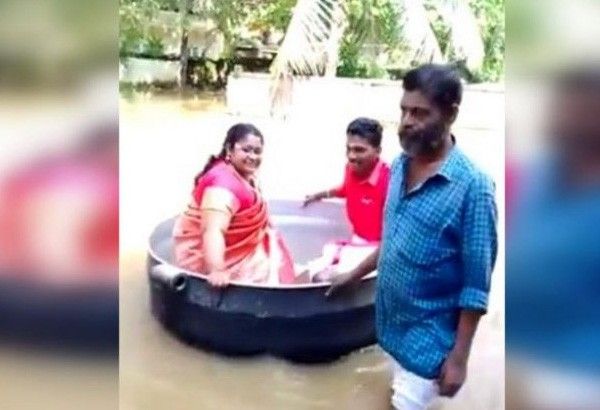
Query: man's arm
[[319, 196], [364, 268], [454, 369], [467, 325], [479, 244], [337, 192], [479, 249]]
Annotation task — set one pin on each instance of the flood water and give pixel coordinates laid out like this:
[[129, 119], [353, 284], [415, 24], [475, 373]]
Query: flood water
[[157, 371], [164, 142]]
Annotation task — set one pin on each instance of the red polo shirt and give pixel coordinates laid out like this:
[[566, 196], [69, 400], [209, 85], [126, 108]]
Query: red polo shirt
[[365, 199]]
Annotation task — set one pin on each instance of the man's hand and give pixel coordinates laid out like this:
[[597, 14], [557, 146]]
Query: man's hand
[[219, 279], [454, 369], [324, 276], [309, 199], [452, 375], [343, 280], [339, 282]]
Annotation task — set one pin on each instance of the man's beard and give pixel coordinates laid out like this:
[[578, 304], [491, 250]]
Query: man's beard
[[427, 141]]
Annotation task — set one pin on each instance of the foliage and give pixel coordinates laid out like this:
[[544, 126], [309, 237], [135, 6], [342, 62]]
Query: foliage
[[372, 30], [372, 24], [135, 36], [136, 17], [440, 27], [271, 15], [490, 14], [311, 42], [374, 27], [228, 16]]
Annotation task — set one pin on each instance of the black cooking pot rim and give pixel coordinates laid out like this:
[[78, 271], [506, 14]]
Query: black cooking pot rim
[[242, 284]]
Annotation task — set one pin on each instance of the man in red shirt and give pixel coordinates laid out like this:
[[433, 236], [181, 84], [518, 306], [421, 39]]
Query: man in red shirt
[[365, 188]]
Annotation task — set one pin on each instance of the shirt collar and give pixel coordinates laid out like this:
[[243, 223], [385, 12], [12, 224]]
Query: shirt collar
[[374, 177], [451, 165], [450, 168]]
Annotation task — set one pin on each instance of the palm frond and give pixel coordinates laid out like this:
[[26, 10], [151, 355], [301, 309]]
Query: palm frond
[[307, 37], [416, 31], [465, 43], [310, 46]]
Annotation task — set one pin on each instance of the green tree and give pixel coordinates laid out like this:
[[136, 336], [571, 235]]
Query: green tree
[[470, 33], [353, 38], [135, 36], [271, 15], [372, 28], [490, 14]]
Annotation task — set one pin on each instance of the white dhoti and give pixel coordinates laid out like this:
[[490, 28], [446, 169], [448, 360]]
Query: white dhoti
[[341, 256], [410, 391]]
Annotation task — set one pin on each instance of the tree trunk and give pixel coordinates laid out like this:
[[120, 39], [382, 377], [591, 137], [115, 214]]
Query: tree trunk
[[185, 7]]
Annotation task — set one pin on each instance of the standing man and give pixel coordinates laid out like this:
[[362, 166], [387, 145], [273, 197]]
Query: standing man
[[438, 246]]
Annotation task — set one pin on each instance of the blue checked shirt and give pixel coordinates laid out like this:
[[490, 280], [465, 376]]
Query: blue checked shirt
[[437, 253]]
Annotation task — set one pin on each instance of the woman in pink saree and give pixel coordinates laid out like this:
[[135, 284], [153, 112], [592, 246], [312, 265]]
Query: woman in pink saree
[[225, 232]]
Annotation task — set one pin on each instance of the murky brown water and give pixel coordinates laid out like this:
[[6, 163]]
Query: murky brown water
[[158, 372], [164, 141], [43, 380]]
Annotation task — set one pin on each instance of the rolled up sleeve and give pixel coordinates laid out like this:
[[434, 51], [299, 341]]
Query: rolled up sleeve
[[479, 244]]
